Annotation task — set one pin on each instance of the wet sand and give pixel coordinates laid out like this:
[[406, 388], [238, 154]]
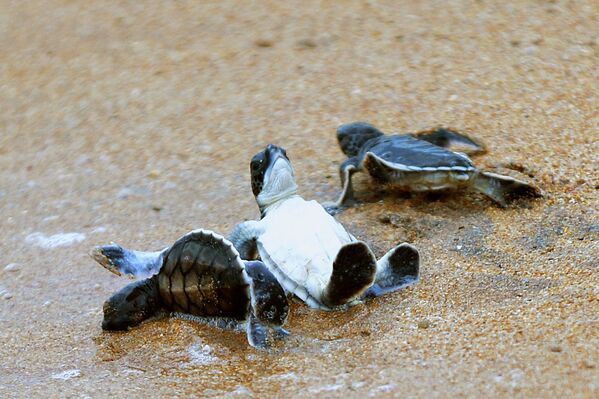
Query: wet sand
[[135, 123]]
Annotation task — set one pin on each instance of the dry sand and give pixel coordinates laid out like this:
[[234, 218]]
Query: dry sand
[[134, 122]]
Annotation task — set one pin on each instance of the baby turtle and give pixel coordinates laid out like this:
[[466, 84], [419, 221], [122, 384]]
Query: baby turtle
[[308, 251], [420, 162], [200, 274]]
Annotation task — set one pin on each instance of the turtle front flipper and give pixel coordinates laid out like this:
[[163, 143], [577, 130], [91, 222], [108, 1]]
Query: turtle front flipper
[[244, 236], [354, 271], [346, 171], [502, 189], [257, 333], [131, 305], [399, 268], [120, 260], [269, 305], [447, 138]]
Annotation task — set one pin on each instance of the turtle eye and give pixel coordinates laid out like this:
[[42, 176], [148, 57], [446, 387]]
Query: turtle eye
[[255, 164], [257, 161]]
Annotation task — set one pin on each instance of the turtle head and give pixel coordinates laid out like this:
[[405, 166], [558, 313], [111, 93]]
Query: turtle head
[[273, 177], [130, 306], [268, 299], [352, 136]]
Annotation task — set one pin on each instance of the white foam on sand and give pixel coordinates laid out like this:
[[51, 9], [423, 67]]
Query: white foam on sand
[[66, 375], [377, 391], [326, 388], [53, 241], [200, 354]]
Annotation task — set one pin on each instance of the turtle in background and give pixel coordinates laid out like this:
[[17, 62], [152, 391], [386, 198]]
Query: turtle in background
[[307, 250], [202, 275], [420, 162]]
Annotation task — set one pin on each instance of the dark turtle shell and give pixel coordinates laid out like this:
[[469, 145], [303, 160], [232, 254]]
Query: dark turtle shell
[[412, 154], [204, 276]]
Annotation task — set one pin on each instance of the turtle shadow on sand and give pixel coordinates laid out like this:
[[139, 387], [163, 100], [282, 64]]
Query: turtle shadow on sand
[[457, 225], [169, 339], [438, 202]]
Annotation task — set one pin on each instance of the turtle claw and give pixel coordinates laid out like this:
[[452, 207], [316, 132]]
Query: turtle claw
[[257, 333], [335, 208], [332, 208], [260, 336]]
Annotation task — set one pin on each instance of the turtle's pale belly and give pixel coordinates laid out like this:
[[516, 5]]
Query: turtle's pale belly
[[429, 181], [300, 244]]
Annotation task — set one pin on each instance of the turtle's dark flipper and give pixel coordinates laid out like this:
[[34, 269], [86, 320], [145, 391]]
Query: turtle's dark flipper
[[502, 189], [268, 299], [243, 238], [121, 260], [398, 269], [257, 333], [447, 138], [354, 271], [346, 170], [131, 305]]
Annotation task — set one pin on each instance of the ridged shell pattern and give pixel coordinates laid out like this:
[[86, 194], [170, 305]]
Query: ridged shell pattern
[[409, 153], [203, 275]]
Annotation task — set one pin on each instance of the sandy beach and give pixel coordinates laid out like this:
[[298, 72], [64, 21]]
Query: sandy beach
[[135, 122]]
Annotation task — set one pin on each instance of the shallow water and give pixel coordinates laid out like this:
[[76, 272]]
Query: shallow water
[[136, 123]]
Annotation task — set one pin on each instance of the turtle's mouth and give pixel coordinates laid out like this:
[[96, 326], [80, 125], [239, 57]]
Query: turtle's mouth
[[278, 161], [278, 166], [275, 152], [279, 175], [279, 178]]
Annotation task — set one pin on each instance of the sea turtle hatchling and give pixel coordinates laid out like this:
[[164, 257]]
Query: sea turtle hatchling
[[419, 162], [308, 251], [200, 274]]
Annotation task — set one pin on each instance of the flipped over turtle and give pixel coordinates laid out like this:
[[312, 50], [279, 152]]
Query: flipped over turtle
[[200, 274], [307, 250], [420, 162]]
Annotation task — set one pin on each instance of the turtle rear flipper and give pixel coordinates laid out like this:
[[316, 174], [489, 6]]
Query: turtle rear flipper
[[398, 269], [502, 188], [120, 260], [354, 271]]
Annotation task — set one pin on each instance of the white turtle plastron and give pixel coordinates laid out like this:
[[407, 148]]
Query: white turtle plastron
[[299, 245]]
